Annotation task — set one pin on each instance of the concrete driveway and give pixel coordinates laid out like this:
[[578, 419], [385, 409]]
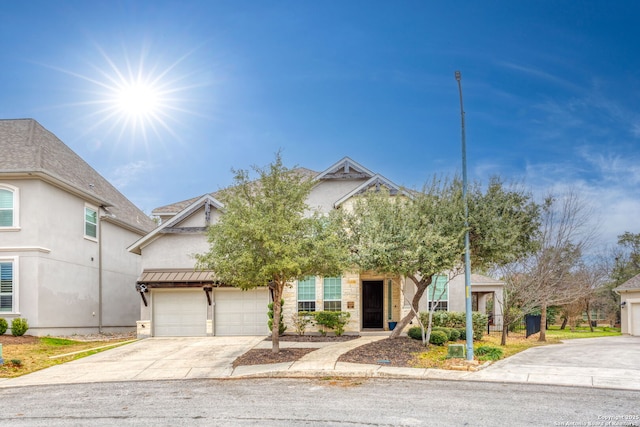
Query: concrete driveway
[[148, 359], [610, 362]]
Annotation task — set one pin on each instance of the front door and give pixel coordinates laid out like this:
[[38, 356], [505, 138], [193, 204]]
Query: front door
[[372, 304]]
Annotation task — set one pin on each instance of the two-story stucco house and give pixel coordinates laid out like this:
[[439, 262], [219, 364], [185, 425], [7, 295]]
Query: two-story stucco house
[[64, 233], [176, 300]]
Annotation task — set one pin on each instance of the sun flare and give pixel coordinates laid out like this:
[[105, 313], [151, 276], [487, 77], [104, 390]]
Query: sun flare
[[137, 99]]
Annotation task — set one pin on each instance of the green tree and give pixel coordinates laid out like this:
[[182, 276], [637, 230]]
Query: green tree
[[420, 234], [627, 258], [268, 236]]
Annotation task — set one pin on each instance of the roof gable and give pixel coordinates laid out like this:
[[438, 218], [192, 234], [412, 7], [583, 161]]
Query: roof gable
[[345, 169], [206, 200], [376, 181]]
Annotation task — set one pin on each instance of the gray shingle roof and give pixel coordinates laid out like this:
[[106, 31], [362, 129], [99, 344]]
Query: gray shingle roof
[[27, 147], [630, 285], [174, 208]]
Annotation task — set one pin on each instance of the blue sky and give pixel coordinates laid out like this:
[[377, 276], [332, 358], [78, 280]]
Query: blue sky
[[551, 91]]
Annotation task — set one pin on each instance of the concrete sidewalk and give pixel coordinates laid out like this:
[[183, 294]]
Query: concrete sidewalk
[[597, 362]]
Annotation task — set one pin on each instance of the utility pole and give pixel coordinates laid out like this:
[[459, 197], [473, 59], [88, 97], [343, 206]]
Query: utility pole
[[467, 255]]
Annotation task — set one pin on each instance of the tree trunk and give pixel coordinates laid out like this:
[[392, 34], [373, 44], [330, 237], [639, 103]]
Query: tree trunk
[[543, 323], [589, 315], [275, 324], [505, 330], [421, 286], [565, 319]]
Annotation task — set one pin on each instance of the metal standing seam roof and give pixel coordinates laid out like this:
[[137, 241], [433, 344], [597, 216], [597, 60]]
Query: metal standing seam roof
[[176, 276]]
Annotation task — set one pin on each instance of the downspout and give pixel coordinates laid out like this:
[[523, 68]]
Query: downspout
[[100, 273]]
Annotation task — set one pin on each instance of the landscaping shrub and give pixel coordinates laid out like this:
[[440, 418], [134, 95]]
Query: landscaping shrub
[[281, 326], [415, 333], [457, 319], [445, 330], [19, 326], [488, 352], [438, 337], [463, 333], [335, 320], [3, 326], [454, 335], [301, 320]]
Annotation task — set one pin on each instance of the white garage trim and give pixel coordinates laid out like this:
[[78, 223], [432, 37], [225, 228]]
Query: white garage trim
[[179, 313], [633, 307], [238, 312]]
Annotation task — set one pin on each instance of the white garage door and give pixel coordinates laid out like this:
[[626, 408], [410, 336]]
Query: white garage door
[[240, 312], [634, 328], [179, 313]]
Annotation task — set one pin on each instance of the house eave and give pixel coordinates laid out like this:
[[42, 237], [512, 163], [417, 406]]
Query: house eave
[[57, 182]]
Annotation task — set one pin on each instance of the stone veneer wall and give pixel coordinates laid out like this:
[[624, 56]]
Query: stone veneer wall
[[351, 302]]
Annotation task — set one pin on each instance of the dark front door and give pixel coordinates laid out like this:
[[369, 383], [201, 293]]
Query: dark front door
[[372, 304]]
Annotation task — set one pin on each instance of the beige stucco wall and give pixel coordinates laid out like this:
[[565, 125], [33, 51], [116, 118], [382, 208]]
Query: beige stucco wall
[[59, 269], [631, 300], [326, 193], [175, 251]]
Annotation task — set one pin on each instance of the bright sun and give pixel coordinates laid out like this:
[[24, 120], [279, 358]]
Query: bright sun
[[137, 99]]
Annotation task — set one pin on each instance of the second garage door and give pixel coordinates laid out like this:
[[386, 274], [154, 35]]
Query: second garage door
[[241, 312]]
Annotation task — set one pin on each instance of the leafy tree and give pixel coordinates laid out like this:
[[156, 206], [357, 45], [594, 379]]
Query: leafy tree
[[420, 234], [268, 236], [627, 258]]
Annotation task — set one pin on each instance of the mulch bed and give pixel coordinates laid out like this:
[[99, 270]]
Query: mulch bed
[[11, 340], [396, 352], [316, 338], [387, 352]]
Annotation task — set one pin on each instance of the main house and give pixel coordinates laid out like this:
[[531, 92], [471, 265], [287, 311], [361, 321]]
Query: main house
[[177, 300], [64, 231]]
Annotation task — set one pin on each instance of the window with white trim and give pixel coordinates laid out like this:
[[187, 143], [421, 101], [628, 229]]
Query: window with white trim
[[438, 293], [8, 206], [307, 294], [332, 291], [7, 287], [90, 222]]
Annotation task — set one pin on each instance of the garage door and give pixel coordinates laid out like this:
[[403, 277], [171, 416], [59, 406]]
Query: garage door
[[240, 312], [634, 328], [179, 313]]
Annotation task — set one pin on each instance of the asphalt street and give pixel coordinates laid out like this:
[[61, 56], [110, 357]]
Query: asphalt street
[[316, 402]]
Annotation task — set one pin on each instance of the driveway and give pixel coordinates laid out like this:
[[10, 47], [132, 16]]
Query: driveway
[[611, 362], [148, 359]]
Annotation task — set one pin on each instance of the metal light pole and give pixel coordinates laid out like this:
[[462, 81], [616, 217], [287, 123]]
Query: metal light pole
[[467, 256]]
